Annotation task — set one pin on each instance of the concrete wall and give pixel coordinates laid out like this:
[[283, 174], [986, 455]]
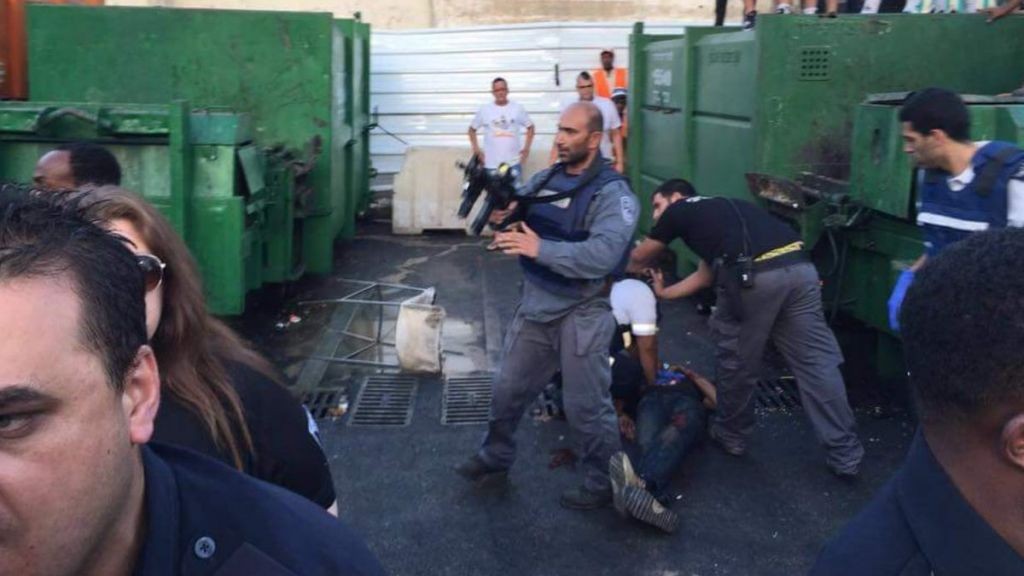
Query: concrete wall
[[401, 14]]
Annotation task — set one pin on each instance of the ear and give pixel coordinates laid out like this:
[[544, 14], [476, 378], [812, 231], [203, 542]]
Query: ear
[[594, 140], [141, 396], [1012, 440]]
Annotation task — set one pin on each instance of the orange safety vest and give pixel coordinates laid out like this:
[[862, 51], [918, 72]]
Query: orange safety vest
[[601, 87]]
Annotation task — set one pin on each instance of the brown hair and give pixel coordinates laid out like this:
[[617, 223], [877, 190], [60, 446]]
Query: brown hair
[[190, 344]]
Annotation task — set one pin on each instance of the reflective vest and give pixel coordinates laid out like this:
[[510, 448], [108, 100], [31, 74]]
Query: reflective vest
[[601, 87], [946, 216], [562, 221]]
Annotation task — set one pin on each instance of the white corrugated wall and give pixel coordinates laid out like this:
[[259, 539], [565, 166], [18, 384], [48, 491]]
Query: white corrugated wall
[[425, 85]]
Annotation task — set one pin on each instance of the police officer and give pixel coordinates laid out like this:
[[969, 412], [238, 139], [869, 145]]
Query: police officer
[[964, 186], [83, 491], [568, 246], [767, 288], [952, 507]]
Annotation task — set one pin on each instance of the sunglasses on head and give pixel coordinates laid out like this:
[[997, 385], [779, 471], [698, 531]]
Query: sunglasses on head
[[152, 270]]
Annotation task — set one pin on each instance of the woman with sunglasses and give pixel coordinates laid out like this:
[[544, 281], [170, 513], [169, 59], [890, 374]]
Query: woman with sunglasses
[[220, 397]]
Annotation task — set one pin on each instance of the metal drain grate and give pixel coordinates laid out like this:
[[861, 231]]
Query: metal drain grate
[[329, 400], [781, 394], [466, 400], [385, 400]]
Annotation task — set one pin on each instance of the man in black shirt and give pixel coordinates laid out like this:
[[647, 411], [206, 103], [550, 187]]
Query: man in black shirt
[[83, 493], [767, 288]]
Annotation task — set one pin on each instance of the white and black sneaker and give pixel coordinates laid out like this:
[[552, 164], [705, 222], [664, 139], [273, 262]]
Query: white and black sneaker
[[621, 473], [750, 20], [643, 506]]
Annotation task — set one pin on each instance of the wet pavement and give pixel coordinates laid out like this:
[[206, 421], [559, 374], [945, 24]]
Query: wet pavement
[[766, 513]]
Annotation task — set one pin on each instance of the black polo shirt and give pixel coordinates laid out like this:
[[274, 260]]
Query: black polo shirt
[[711, 228], [203, 518], [918, 524]]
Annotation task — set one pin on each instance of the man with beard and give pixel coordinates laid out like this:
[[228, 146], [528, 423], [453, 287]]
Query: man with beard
[[579, 218]]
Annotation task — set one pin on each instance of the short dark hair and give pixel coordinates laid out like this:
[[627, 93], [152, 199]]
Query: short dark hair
[[962, 324], [498, 79], [92, 164], [937, 109], [47, 236], [675, 186], [584, 76]]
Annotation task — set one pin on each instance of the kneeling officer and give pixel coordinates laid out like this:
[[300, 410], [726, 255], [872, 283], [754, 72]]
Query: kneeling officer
[[579, 218], [767, 288]]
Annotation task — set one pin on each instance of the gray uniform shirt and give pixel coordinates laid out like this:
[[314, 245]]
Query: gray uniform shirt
[[611, 220]]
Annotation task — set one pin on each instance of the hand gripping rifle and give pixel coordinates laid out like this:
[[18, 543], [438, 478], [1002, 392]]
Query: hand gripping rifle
[[500, 185]]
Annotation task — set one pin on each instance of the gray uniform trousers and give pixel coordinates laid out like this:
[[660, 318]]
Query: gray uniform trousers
[[784, 305], [576, 343]]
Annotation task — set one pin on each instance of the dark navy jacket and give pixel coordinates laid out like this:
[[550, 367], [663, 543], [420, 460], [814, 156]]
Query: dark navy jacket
[[919, 524], [206, 518]]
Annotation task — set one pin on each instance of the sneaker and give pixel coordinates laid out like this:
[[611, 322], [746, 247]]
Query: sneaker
[[476, 470], [731, 447], [750, 20], [846, 473], [620, 471], [784, 9], [582, 498], [643, 506]]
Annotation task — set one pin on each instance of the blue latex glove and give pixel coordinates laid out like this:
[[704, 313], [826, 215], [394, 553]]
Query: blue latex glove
[[896, 298], [668, 377]]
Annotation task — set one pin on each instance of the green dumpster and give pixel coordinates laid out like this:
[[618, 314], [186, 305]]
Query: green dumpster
[[276, 101], [788, 114], [231, 202], [292, 73]]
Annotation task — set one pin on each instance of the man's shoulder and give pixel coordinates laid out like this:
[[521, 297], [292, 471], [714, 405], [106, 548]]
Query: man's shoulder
[[251, 521], [486, 108], [877, 541]]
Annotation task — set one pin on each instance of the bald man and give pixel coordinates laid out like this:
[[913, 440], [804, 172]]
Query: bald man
[[569, 248]]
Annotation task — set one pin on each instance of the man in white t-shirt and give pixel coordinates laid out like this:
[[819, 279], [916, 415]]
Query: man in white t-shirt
[[502, 120], [611, 140]]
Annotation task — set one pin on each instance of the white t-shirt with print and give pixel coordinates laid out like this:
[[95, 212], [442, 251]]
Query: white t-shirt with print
[[501, 140]]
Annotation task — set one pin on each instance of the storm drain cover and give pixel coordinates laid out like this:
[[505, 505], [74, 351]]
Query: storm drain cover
[[327, 401], [780, 394], [385, 400], [467, 400]]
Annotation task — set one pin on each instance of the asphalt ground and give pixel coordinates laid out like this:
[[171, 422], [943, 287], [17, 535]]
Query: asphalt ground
[[766, 513]]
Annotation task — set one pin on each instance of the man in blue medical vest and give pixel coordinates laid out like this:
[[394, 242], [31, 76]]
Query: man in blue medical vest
[[579, 218], [963, 186]]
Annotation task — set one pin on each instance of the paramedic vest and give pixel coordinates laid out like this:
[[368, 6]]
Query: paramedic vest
[[558, 222], [946, 216], [601, 87]]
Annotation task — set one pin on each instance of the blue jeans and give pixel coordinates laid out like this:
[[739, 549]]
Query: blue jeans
[[669, 421]]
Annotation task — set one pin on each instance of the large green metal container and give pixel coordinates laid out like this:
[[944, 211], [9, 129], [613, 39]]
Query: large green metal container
[[232, 203], [292, 73], [721, 107], [716, 103]]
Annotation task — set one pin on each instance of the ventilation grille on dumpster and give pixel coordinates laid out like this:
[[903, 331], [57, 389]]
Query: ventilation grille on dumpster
[[780, 394], [467, 400], [815, 63], [385, 401]]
